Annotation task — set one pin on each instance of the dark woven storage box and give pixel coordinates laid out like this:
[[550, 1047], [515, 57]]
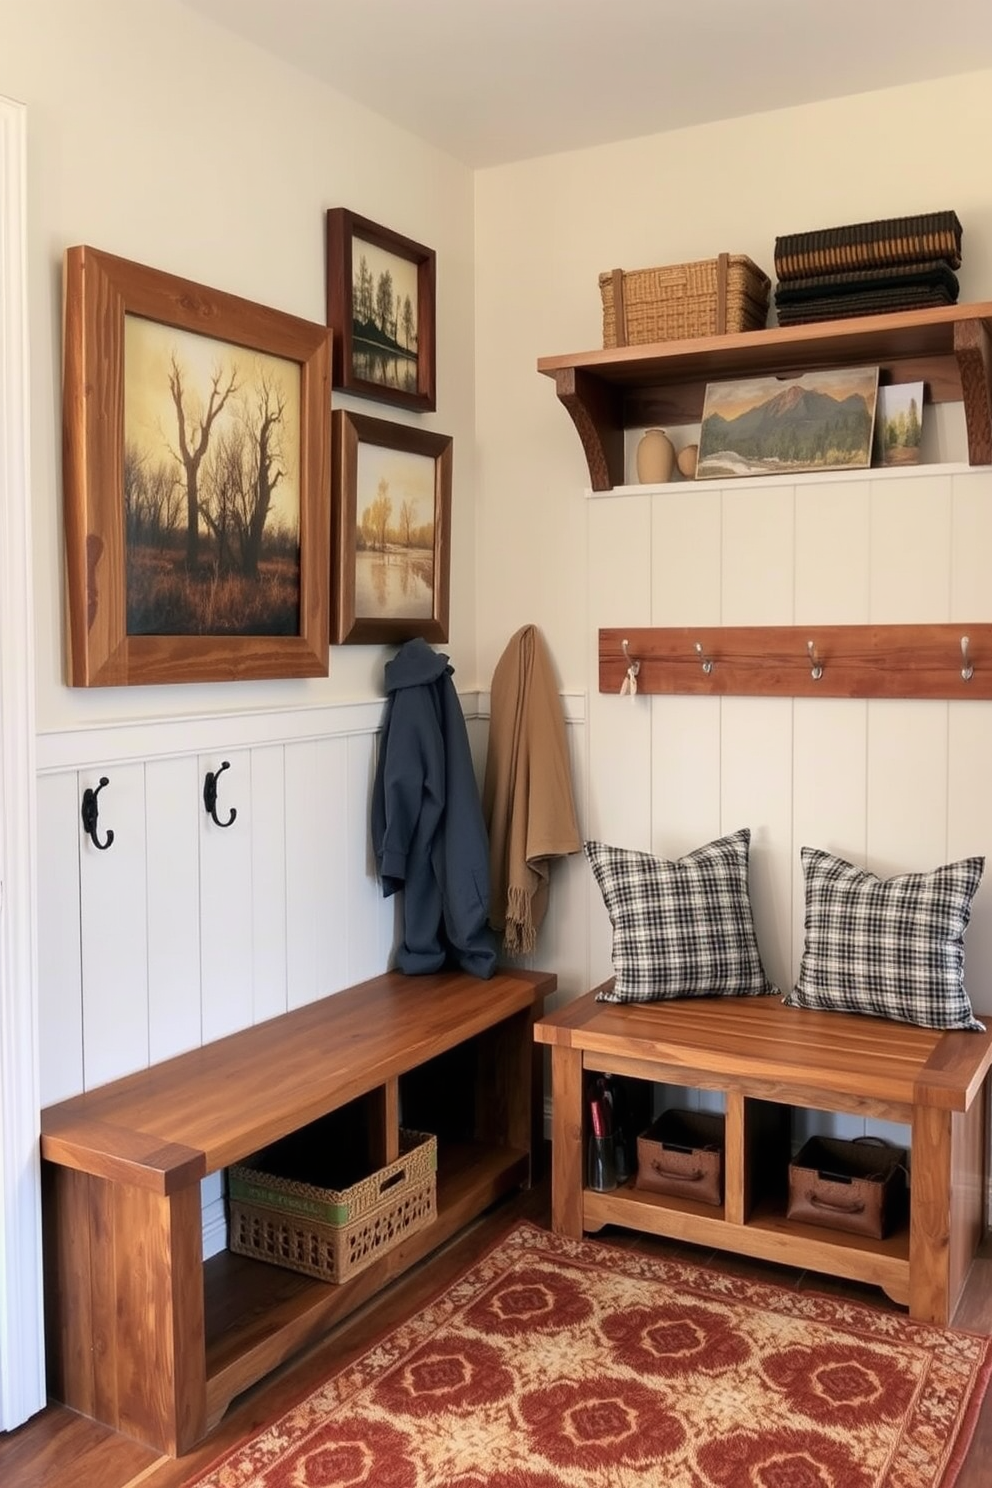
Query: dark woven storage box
[[857, 1186], [682, 1154], [681, 301], [927, 237], [329, 1233]]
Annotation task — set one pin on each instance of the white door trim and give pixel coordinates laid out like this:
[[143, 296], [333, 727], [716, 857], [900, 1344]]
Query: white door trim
[[22, 1371]]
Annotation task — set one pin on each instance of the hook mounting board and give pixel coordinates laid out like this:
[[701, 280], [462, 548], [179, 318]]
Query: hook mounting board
[[854, 661]]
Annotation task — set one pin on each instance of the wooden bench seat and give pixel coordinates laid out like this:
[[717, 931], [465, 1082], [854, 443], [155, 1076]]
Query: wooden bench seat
[[143, 1336], [767, 1058]]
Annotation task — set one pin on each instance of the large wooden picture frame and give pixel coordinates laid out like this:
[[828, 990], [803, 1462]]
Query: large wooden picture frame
[[380, 306], [196, 471], [391, 519]]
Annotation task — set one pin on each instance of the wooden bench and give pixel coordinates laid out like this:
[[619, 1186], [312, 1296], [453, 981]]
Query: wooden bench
[[145, 1337], [765, 1058]]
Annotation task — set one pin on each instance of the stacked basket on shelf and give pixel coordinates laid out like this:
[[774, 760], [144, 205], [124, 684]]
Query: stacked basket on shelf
[[868, 268], [676, 302]]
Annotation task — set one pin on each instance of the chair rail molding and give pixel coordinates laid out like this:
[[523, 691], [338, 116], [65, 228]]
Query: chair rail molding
[[22, 1365]]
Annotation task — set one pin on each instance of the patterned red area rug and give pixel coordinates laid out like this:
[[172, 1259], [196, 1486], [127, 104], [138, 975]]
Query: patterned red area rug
[[556, 1363]]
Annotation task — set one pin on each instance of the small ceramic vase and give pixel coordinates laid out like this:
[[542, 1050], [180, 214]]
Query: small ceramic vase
[[687, 460], [655, 457]]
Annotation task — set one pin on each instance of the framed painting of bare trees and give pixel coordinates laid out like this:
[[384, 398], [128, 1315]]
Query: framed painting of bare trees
[[196, 470], [391, 519], [380, 306]]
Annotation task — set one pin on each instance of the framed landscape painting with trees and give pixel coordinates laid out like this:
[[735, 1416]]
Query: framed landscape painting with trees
[[391, 517], [196, 466], [380, 306]]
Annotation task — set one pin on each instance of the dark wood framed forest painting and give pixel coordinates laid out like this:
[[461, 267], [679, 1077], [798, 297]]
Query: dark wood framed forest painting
[[196, 471], [381, 308], [391, 521]]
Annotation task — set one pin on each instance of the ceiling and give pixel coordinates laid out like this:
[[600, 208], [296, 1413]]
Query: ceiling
[[493, 81]]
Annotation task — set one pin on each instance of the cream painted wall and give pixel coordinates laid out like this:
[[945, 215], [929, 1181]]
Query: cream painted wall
[[163, 139], [546, 228]]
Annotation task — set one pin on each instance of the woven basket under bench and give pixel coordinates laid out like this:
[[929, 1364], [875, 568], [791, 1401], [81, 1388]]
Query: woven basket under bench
[[680, 301], [328, 1233]]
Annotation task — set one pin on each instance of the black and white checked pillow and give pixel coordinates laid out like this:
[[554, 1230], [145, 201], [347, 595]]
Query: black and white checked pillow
[[891, 947], [682, 928]]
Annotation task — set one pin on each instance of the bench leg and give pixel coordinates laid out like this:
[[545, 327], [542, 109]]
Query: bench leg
[[125, 1307], [567, 1157], [947, 1205]]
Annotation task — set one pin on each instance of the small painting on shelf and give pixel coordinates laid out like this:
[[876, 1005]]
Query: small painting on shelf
[[786, 425], [899, 424]]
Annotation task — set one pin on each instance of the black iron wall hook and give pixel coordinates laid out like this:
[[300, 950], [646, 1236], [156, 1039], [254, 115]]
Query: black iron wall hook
[[210, 795], [91, 814]]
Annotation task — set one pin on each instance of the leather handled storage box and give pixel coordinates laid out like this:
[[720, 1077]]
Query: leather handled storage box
[[681, 1153], [859, 1185]]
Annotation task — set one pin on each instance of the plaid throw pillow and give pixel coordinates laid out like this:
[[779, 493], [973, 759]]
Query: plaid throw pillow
[[891, 947], [683, 928]]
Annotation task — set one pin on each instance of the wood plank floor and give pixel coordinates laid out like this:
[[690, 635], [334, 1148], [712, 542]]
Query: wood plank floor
[[59, 1449]]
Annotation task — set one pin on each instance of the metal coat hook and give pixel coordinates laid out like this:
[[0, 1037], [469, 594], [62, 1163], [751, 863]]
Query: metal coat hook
[[629, 684], [210, 795], [967, 665], [816, 667], [707, 661], [90, 813]]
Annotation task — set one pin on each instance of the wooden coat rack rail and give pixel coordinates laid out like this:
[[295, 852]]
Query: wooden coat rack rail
[[836, 661]]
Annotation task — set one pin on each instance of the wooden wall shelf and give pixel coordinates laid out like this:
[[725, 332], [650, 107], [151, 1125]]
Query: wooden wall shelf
[[857, 661], [606, 392]]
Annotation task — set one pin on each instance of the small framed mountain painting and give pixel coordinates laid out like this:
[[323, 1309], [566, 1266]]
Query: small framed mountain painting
[[785, 425]]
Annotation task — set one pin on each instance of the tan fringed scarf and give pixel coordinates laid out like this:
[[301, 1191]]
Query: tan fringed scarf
[[527, 797]]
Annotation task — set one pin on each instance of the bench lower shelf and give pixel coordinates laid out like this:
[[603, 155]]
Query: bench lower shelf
[[258, 1315], [767, 1236]]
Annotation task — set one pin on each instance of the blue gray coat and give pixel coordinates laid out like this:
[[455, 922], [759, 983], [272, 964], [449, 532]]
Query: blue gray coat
[[428, 832]]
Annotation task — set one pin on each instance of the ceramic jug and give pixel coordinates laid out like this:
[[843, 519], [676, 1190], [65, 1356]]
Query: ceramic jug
[[655, 457]]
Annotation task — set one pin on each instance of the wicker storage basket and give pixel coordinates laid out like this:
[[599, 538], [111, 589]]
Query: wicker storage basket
[[333, 1233], [679, 301], [682, 1154]]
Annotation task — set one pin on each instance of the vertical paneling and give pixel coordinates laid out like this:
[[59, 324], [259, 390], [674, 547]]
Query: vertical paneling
[[563, 941], [60, 972], [756, 760], [226, 929], [363, 894], [971, 544], [334, 869], [758, 540], [755, 791], [685, 759], [829, 792], [317, 868], [833, 522], [969, 832], [171, 798], [268, 882], [687, 558], [907, 786], [910, 540], [619, 548], [686, 588], [114, 930], [304, 867]]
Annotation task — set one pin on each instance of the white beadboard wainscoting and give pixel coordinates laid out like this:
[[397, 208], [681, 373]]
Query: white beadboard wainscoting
[[182, 931], [897, 786]]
